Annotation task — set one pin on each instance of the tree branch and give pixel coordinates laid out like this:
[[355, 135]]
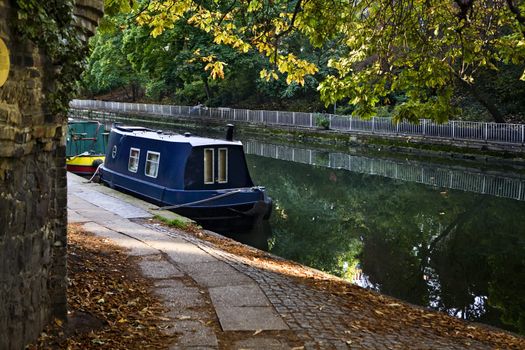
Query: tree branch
[[517, 13]]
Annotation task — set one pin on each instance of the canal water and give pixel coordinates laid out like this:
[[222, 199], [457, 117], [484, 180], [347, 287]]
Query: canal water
[[443, 236], [446, 236]]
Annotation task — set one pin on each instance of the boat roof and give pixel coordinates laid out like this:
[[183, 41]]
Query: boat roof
[[151, 134]]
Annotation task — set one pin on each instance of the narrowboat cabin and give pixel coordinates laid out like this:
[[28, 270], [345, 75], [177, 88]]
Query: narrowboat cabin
[[200, 178], [85, 146]]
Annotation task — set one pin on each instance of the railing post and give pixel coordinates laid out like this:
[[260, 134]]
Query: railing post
[[293, 118], [397, 127], [234, 113], [522, 133], [486, 131], [277, 117], [373, 124], [330, 121], [311, 120], [424, 127], [453, 131], [350, 128]]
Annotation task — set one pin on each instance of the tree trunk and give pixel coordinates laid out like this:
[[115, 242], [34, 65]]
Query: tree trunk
[[484, 101], [207, 89], [134, 92]]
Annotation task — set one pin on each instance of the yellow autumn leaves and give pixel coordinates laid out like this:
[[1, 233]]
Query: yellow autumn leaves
[[161, 15]]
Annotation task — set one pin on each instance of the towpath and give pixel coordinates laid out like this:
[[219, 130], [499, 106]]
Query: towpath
[[222, 295]]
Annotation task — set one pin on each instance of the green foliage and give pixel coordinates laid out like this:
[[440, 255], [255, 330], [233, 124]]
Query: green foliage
[[172, 68], [322, 121], [50, 26]]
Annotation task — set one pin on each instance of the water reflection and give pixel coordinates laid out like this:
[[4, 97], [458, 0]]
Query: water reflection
[[463, 179], [455, 251]]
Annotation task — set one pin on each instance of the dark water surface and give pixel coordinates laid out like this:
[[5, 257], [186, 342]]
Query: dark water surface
[[420, 232], [443, 236]]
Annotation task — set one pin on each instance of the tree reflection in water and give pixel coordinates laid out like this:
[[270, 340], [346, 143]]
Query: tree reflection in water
[[454, 251]]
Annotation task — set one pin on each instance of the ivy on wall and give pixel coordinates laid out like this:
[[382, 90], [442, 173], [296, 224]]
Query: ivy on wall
[[50, 26]]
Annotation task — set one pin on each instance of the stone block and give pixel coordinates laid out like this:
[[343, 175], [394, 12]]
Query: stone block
[[4, 113], [249, 319]]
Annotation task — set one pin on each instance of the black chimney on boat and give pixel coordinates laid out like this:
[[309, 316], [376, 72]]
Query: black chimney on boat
[[229, 132]]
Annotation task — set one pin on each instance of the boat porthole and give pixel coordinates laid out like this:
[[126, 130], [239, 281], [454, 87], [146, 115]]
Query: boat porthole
[[114, 151]]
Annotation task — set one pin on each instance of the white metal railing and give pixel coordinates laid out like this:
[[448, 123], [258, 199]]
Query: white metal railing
[[457, 130], [457, 179]]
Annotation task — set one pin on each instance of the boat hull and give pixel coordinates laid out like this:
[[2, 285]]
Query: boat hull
[[236, 209], [84, 164]]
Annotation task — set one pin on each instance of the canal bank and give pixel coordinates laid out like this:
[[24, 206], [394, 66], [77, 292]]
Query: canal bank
[[258, 300], [511, 156]]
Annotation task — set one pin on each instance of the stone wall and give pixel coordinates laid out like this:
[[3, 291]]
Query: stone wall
[[33, 198]]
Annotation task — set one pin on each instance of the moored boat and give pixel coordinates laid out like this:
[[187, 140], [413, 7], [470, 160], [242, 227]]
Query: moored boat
[[201, 178], [85, 146]]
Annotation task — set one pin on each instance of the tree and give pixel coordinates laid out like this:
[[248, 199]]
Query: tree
[[421, 49], [108, 68]]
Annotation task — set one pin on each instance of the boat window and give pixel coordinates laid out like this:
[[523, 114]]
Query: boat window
[[152, 164], [223, 165], [208, 166], [133, 163]]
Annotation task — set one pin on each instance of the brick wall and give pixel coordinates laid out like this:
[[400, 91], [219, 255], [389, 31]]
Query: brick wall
[[33, 187]]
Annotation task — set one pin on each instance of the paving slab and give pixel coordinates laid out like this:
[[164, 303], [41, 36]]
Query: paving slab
[[156, 267], [180, 298], [257, 343], [112, 204], [136, 248], [216, 274], [221, 280], [78, 184], [183, 252], [194, 334], [238, 296], [74, 218], [249, 318]]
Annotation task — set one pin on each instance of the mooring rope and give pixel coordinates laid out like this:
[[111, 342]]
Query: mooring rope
[[169, 207], [95, 173]]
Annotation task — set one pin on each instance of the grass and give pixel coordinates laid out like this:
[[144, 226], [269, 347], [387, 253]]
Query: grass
[[177, 223]]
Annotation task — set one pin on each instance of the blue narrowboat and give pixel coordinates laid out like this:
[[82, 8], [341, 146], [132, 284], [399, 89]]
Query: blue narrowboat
[[200, 178]]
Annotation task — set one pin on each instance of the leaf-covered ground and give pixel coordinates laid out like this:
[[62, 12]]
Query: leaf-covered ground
[[110, 306]]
